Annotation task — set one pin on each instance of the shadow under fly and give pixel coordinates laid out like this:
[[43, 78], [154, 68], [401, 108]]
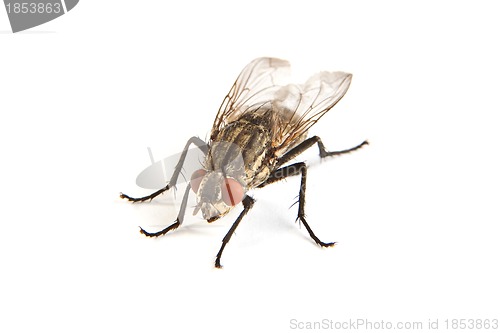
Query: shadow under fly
[[261, 125]]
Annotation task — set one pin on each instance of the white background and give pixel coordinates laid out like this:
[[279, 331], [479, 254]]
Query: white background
[[415, 213]]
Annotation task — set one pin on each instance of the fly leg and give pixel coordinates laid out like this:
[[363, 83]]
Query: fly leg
[[306, 144], [247, 205], [173, 180], [178, 221], [147, 197], [293, 170]]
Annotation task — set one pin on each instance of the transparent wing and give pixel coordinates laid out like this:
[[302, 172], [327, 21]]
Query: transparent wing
[[257, 83], [301, 106]]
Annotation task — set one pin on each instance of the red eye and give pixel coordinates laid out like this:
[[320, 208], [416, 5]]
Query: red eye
[[196, 178], [232, 192]]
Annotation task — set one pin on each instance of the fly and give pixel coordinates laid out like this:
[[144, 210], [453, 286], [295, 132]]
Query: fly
[[261, 125]]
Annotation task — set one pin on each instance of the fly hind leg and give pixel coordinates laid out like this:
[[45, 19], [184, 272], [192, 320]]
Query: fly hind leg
[[306, 144], [293, 170]]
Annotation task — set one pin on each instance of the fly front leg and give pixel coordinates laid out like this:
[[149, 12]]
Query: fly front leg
[[293, 170], [173, 180], [247, 205], [306, 144], [147, 197], [178, 221]]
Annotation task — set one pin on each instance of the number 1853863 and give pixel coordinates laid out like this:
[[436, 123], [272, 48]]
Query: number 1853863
[[471, 324], [33, 8]]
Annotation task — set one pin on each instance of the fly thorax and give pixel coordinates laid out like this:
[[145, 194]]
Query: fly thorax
[[227, 157]]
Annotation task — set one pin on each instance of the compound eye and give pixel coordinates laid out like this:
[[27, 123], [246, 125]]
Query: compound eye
[[196, 178], [232, 192]]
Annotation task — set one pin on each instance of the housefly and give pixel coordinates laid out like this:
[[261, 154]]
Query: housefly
[[261, 125]]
